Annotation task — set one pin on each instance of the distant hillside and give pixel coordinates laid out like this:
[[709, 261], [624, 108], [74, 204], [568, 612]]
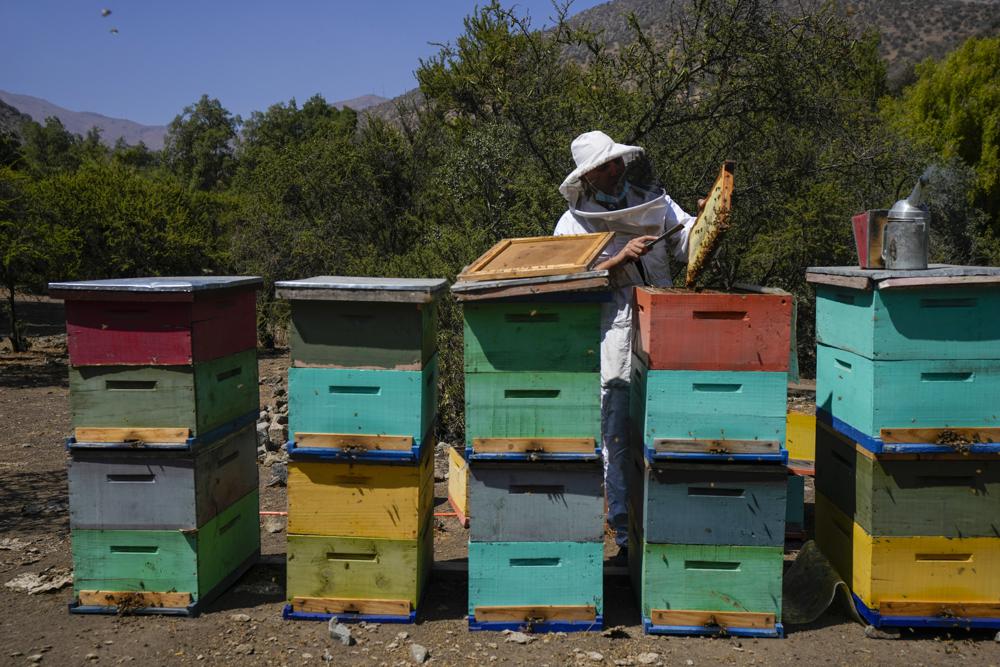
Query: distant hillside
[[80, 122], [11, 120], [911, 30], [360, 103]]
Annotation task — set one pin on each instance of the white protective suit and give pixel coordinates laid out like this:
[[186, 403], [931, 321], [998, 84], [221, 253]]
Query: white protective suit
[[646, 213]]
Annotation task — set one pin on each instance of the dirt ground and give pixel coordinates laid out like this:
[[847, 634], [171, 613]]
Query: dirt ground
[[244, 626]]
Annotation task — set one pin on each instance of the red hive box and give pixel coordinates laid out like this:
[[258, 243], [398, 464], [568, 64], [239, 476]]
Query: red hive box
[[162, 321], [679, 329]]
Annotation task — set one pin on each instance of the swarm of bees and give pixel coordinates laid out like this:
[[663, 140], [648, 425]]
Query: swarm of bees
[[105, 13]]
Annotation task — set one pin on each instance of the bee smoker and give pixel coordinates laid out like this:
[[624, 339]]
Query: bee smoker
[[906, 235]]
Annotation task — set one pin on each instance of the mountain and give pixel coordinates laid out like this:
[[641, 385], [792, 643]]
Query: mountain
[[360, 103], [80, 122], [911, 30], [12, 120]]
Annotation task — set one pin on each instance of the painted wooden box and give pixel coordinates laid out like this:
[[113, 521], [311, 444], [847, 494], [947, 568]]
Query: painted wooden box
[[362, 322], [158, 321], [954, 496], [362, 401], [524, 502], [192, 399], [532, 336], [160, 490], [532, 405], [907, 324], [709, 412], [910, 576], [702, 503], [360, 499], [707, 578], [905, 396], [458, 484], [712, 331], [192, 562], [513, 577], [327, 574]]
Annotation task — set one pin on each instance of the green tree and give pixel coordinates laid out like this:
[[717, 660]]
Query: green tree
[[200, 144], [954, 109], [51, 147]]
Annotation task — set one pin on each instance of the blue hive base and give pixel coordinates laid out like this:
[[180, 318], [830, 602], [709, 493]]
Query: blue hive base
[[876, 619]]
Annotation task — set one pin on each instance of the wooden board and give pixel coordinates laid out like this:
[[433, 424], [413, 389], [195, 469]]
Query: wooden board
[[939, 609], [198, 398], [711, 223], [685, 406], [359, 568], [160, 490], [351, 606], [365, 402], [711, 578], [532, 406], [536, 574], [924, 323], [360, 499], [358, 334], [130, 333], [537, 256], [536, 614], [712, 331], [874, 395], [533, 445], [709, 504], [532, 337], [524, 502], [711, 619], [134, 599], [800, 437], [888, 497], [458, 485], [168, 560], [367, 289], [920, 568], [144, 436], [396, 443]]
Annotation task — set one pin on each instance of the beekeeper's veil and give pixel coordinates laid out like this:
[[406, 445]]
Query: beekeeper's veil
[[646, 200]]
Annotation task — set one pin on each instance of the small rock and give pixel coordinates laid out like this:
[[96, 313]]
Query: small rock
[[307, 656], [242, 618], [689, 662], [92, 656], [16, 654], [884, 633], [274, 524], [647, 658], [623, 662], [35, 658], [340, 632], [418, 654], [997, 638], [262, 437], [519, 638], [26, 445], [244, 649], [491, 645], [327, 656], [391, 646], [280, 418], [403, 636], [279, 475], [595, 656]]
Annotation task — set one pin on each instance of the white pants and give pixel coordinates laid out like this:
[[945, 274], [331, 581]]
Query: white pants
[[614, 444]]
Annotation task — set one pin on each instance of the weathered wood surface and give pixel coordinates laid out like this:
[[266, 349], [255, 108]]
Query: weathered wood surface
[[358, 568], [458, 485], [933, 271], [708, 405], [351, 606], [711, 578], [533, 574], [874, 395], [188, 287], [711, 619], [800, 437], [535, 613], [199, 397], [360, 499], [710, 504], [588, 285], [920, 568], [362, 288], [927, 323], [940, 609], [537, 256], [528, 503], [168, 560], [130, 333], [532, 405], [712, 331], [533, 445], [366, 402], [396, 443], [143, 436], [359, 334], [157, 490], [134, 599], [889, 497], [532, 337], [868, 229]]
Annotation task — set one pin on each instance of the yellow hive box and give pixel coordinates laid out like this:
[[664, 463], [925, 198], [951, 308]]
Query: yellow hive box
[[912, 576], [800, 437], [360, 499], [458, 485]]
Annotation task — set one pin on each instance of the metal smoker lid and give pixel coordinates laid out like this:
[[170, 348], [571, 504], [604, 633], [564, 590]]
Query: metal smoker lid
[[910, 209]]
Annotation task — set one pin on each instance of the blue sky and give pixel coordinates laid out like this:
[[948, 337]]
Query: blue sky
[[248, 54]]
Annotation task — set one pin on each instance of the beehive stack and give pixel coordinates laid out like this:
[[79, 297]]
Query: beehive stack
[[362, 397], [162, 470], [532, 401], [907, 472], [708, 484]]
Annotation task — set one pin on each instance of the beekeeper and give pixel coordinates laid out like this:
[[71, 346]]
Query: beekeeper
[[612, 189]]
